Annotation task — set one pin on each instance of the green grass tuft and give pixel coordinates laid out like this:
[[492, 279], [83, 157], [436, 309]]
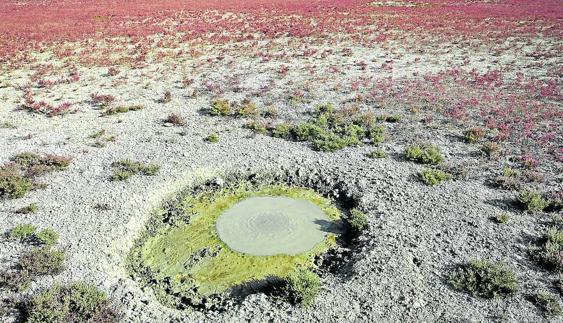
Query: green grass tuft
[[431, 176], [482, 278], [22, 232], [424, 154], [126, 168], [302, 286], [358, 220], [548, 303], [532, 200], [78, 302], [47, 237]]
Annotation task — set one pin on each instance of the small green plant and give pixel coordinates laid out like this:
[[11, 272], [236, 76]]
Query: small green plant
[[126, 168], [78, 302], [282, 130], [302, 286], [248, 109], [221, 107], [550, 252], [22, 232], [379, 153], [213, 138], [502, 218], [122, 109], [377, 134], [482, 278], [258, 126], [532, 200], [358, 220], [424, 154], [431, 176], [547, 302], [473, 135], [31, 208], [47, 237], [12, 183]]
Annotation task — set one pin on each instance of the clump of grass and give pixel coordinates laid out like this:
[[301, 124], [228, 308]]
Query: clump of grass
[[221, 107], [502, 218], [302, 287], [547, 302], [12, 183], [22, 232], [473, 135], [258, 126], [126, 168], [490, 148], [532, 200], [482, 278], [30, 209], [379, 153], [175, 119], [282, 130], [38, 262], [248, 109], [424, 154], [358, 220], [122, 109], [431, 176], [78, 302], [213, 138], [550, 252], [47, 237]]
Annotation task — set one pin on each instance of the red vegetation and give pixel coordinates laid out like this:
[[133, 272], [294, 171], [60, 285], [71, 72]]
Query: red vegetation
[[35, 24]]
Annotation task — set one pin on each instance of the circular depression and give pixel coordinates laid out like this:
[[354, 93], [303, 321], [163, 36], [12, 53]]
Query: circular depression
[[267, 226]]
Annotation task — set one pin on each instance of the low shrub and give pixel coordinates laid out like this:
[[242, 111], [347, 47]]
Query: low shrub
[[248, 109], [78, 302], [31, 208], [547, 302], [358, 220], [502, 218], [22, 232], [473, 135], [302, 287], [122, 109], [379, 153], [424, 154], [482, 278], [42, 261], [532, 200], [282, 130], [221, 107], [175, 120], [431, 176], [12, 183], [47, 237], [550, 251], [126, 168]]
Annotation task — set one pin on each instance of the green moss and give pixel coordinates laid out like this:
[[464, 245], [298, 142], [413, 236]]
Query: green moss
[[302, 286], [532, 200], [189, 256], [433, 177], [485, 279], [78, 302], [424, 154], [126, 168], [22, 232]]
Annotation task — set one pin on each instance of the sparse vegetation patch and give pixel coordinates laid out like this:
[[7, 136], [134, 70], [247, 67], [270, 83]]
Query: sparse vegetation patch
[[485, 279], [124, 169]]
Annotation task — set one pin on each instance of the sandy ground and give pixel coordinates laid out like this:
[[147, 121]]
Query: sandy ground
[[400, 268]]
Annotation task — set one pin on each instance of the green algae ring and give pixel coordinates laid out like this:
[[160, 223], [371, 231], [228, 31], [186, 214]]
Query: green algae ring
[[267, 226]]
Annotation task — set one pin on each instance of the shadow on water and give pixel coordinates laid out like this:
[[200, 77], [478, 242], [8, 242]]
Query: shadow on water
[[334, 227]]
